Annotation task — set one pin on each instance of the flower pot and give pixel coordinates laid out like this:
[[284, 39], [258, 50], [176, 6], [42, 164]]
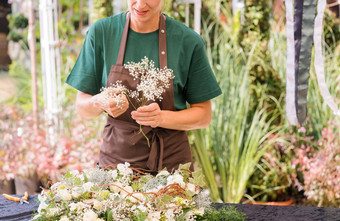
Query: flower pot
[[28, 184], [273, 203], [7, 186]]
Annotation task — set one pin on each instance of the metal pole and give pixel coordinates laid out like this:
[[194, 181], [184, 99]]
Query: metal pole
[[197, 16], [33, 53]]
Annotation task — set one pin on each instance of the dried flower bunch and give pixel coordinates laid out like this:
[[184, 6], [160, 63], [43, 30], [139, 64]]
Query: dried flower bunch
[[121, 194], [152, 83]]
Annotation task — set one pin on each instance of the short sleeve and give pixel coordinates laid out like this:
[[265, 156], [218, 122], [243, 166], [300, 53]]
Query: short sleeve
[[86, 73], [201, 85]]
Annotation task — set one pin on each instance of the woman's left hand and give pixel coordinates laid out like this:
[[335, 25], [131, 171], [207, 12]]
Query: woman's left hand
[[149, 115]]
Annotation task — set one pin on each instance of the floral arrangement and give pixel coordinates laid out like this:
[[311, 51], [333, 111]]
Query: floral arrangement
[[125, 193], [152, 84]]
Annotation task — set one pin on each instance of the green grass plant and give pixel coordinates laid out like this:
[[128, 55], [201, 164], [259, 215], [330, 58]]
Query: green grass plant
[[229, 149]]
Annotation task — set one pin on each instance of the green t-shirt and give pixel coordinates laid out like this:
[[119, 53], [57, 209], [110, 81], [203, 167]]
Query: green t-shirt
[[194, 80]]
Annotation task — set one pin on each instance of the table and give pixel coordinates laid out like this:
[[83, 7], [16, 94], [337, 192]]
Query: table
[[11, 211]]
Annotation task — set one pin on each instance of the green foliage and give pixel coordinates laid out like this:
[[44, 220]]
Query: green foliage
[[101, 9], [20, 21], [226, 213], [256, 30], [175, 9], [17, 28], [237, 137], [331, 29]]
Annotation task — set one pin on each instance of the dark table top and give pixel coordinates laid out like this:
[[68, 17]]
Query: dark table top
[[10, 211]]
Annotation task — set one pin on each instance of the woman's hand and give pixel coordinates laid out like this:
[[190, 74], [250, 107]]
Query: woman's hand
[[89, 106], [114, 107], [149, 115]]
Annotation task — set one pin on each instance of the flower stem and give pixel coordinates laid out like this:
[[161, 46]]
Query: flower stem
[[147, 139], [127, 96]]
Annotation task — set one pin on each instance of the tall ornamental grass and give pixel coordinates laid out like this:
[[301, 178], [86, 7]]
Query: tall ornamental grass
[[229, 149]]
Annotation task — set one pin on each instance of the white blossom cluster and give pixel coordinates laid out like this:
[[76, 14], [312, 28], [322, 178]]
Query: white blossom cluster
[[97, 195], [115, 92], [152, 81]]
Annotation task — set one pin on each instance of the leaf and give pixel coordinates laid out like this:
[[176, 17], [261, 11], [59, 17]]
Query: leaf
[[78, 181], [95, 188], [68, 174], [184, 166], [198, 178], [189, 193], [85, 178], [166, 198], [108, 215]]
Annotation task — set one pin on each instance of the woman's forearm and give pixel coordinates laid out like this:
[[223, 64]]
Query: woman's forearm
[[196, 117], [86, 106]]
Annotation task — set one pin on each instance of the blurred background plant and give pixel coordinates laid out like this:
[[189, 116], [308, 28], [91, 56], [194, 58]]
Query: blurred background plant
[[318, 168], [26, 152]]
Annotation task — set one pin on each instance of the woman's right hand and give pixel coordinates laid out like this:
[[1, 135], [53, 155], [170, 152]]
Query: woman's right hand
[[113, 106], [89, 106]]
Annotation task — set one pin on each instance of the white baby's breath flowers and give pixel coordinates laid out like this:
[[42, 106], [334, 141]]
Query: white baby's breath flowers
[[116, 93], [65, 195], [98, 205], [176, 178], [163, 173], [152, 83], [90, 216], [76, 193], [64, 218], [87, 186]]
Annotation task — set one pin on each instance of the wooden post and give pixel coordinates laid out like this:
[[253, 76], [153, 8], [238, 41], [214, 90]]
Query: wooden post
[[33, 54]]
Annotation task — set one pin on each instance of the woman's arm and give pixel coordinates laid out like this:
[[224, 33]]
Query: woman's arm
[[197, 116], [89, 106]]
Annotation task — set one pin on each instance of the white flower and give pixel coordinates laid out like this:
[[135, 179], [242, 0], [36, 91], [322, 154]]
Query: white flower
[[42, 205], [127, 190], [90, 216], [154, 216], [124, 169], [53, 211], [76, 193], [192, 187], [139, 196], [116, 188], [176, 178], [64, 218], [65, 195], [114, 174], [87, 186], [170, 215], [199, 211], [97, 204], [189, 215], [163, 173], [77, 206]]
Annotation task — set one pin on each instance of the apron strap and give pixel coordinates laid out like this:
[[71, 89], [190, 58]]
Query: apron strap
[[163, 57], [123, 40]]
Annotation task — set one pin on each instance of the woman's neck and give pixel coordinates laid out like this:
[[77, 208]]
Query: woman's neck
[[146, 26]]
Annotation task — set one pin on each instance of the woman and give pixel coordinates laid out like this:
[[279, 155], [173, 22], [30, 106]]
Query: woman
[[129, 37]]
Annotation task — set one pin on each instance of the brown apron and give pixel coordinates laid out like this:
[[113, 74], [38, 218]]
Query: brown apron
[[122, 139]]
